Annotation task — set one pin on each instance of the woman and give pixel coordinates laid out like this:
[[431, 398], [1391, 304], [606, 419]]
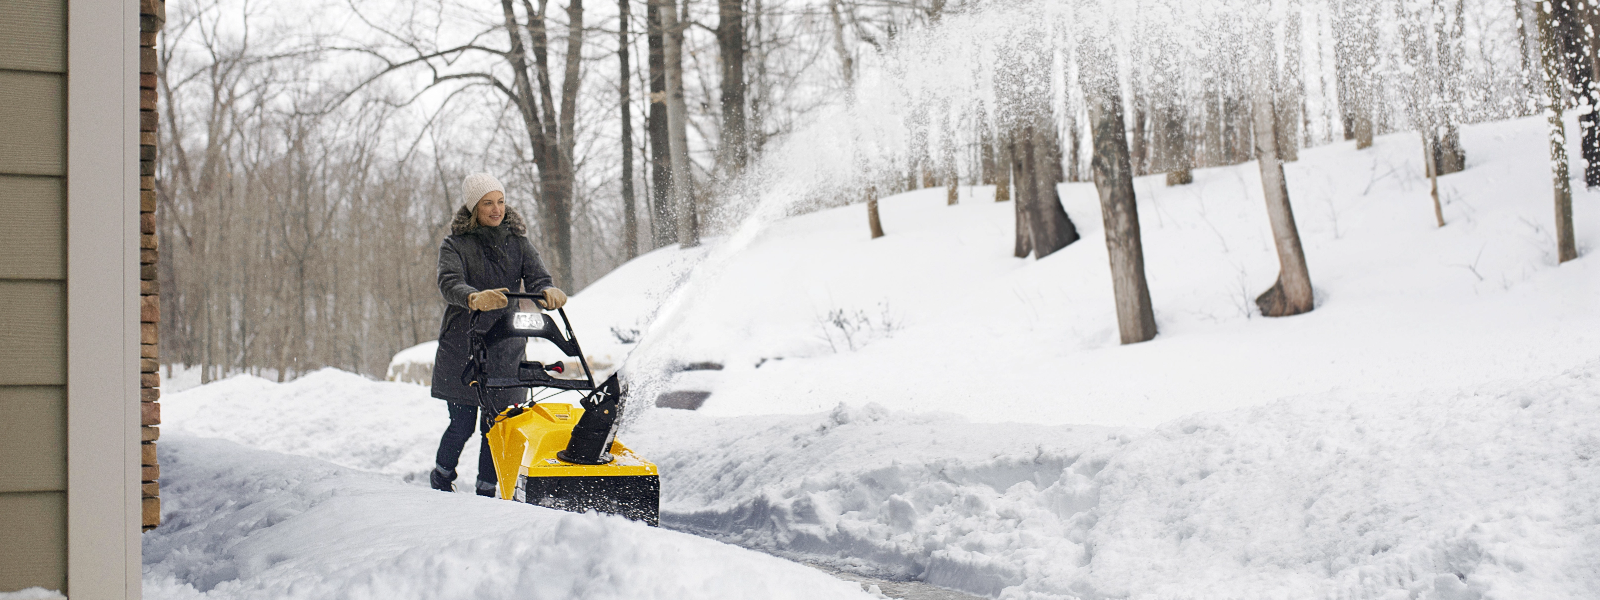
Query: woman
[[486, 255]]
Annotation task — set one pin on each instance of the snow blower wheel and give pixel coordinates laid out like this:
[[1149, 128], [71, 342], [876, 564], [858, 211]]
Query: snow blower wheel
[[552, 454]]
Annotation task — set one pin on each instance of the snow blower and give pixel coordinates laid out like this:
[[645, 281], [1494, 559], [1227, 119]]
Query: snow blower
[[558, 455]]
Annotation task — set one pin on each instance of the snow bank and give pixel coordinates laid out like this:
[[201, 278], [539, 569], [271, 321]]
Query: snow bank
[[329, 415], [1489, 492], [242, 523]]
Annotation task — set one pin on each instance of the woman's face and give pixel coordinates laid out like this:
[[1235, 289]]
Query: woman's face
[[491, 209]]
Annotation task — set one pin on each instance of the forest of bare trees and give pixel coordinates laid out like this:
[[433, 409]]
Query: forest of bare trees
[[309, 163]]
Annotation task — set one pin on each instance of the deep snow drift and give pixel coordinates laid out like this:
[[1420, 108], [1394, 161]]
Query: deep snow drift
[[1431, 430], [244, 523]]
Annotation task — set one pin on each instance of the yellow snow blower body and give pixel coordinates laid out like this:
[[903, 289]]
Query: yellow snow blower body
[[525, 448], [562, 456]]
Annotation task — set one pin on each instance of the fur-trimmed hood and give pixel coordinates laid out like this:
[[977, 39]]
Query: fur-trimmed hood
[[463, 223]]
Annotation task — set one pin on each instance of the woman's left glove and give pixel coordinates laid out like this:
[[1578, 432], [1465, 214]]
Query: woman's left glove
[[488, 299], [554, 298]]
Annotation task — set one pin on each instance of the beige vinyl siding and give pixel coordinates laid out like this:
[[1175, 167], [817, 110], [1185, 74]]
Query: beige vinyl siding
[[33, 347], [33, 232], [33, 439], [33, 268], [33, 123], [35, 548], [33, 35]]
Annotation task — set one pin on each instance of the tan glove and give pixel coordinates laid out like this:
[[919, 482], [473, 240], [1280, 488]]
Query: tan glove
[[554, 298], [487, 300]]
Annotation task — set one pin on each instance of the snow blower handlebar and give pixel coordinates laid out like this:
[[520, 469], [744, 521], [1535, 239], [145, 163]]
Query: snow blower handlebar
[[592, 435], [530, 374]]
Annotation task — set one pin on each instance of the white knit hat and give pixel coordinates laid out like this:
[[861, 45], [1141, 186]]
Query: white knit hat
[[476, 186]]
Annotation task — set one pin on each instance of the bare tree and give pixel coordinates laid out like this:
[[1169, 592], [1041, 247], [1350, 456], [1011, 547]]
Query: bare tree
[[1291, 294], [1002, 185], [1290, 87], [663, 221], [1356, 34], [1574, 22], [730, 41], [1113, 178], [873, 223], [1551, 56], [630, 222], [683, 200]]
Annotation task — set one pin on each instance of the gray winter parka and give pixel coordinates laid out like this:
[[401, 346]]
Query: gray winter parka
[[473, 259]]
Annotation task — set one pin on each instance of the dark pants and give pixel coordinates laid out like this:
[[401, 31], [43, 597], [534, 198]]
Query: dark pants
[[462, 417]]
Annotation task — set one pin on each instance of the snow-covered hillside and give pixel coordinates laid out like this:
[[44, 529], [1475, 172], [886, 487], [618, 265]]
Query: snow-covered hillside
[[953, 322], [1431, 430]]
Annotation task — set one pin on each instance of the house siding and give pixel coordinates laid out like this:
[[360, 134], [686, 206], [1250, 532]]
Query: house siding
[[33, 364], [70, 457]]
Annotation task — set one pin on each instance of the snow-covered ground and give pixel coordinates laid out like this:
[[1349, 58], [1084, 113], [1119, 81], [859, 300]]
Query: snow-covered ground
[[246, 523], [1431, 430]]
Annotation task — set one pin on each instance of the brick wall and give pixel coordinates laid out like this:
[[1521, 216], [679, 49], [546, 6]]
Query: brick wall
[[152, 15]]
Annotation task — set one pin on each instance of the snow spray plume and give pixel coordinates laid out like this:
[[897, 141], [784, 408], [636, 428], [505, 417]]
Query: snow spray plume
[[1003, 66]]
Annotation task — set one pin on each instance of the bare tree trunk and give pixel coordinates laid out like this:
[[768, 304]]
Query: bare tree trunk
[[1551, 57], [1355, 31], [663, 221], [756, 127], [630, 221], [730, 41], [872, 212], [1432, 166], [1214, 154], [1052, 139], [1048, 223], [1291, 88], [846, 61], [1528, 44], [947, 159], [1180, 164], [1073, 148], [1448, 156], [1012, 150], [1113, 178], [1573, 38], [1235, 130], [678, 129], [1291, 295], [1002, 184], [1140, 157], [986, 158]]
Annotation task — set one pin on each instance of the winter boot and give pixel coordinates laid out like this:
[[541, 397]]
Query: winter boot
[[486, 488], [442, 480]]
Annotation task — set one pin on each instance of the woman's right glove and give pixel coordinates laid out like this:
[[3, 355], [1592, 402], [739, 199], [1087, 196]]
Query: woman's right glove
[[553, 298], [488, 299]]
